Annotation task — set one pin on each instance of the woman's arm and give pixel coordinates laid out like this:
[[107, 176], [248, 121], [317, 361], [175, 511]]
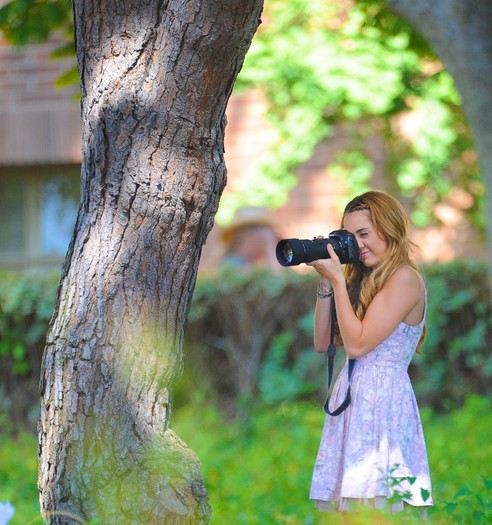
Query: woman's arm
[[400, 296], [322, 319]]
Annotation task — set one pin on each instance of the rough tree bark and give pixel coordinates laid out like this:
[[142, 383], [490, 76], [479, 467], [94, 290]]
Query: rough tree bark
[[459, 32], [156, 76]]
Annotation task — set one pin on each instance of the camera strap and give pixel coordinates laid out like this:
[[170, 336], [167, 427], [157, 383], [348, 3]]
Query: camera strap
[[331, 353]]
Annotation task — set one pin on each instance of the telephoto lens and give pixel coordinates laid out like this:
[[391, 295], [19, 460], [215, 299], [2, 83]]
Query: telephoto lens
[[292, 252]]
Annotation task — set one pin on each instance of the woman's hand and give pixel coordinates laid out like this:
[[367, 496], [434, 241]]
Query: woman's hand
[[329, 269]]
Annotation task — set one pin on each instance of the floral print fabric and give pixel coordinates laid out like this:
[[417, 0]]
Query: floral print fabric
[[375, 450]]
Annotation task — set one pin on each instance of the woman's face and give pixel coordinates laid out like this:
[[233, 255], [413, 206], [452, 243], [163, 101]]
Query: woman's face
[[372, 247]]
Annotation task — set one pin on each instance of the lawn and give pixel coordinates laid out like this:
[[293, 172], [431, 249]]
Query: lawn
[[258, 471]]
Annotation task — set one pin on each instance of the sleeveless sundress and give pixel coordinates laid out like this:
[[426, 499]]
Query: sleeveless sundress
[[375, 450]]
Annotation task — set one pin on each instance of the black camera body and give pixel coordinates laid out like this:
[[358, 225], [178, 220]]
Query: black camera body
[[291, 252]]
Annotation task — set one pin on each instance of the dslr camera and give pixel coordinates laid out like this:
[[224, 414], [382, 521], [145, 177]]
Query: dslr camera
[[291, 252]]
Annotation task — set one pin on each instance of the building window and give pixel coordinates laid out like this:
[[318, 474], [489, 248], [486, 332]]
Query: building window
[[38, 209], [12, 216]]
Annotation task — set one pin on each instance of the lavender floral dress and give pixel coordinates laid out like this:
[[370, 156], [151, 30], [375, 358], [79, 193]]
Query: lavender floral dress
[[375, 450]]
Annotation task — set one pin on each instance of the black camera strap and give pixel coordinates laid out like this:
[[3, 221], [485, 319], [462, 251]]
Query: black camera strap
[[331, 353]]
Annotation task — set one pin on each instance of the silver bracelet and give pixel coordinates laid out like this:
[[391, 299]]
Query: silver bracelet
[[322, 291]]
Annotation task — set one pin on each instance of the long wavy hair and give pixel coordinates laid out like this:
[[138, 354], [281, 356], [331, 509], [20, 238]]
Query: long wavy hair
[[391, 224]]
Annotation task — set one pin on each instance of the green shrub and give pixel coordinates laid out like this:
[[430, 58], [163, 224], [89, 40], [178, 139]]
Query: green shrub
[[241, 323], [26, 304], [455, 359], [250, 337]]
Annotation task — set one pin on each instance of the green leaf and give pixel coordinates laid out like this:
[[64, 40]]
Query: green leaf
[[425, 494]]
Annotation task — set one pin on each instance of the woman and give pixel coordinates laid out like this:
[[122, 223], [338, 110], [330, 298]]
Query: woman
[[375, 450]]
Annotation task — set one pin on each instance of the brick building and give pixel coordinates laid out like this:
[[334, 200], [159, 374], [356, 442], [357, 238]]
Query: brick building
[[39, 158], [40, 155]]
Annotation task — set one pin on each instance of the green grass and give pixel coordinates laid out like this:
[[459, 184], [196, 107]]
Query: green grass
[[258, 472], [18, 477], [460, 455]]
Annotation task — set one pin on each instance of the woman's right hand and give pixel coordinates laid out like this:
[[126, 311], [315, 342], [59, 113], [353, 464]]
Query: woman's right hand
[[330, 270]]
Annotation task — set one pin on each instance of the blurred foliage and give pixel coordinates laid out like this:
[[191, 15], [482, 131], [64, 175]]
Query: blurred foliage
[[324, 66], [18, 476], [455, 359], [460, 449], [31, 21], [258, 471], [234, 320], [24, 21], [249, 338], [258, 467], [355, 68], [26, 305]]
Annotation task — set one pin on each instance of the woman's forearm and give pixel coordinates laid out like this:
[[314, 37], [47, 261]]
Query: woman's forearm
[[322, 316], [349, 324]]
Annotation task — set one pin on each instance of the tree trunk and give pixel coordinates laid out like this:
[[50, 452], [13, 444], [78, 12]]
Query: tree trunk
[[156, 76], [459, 31]]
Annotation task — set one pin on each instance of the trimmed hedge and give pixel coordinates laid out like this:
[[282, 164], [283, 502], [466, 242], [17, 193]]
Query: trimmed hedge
[[26, 304], [249, 338], [455, 359], [260, 326]]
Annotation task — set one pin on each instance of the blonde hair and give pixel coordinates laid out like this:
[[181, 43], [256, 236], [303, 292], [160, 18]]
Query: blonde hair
[[391, 224]]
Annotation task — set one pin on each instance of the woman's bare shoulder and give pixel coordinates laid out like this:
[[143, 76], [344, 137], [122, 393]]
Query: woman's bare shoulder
[[406, 277]]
